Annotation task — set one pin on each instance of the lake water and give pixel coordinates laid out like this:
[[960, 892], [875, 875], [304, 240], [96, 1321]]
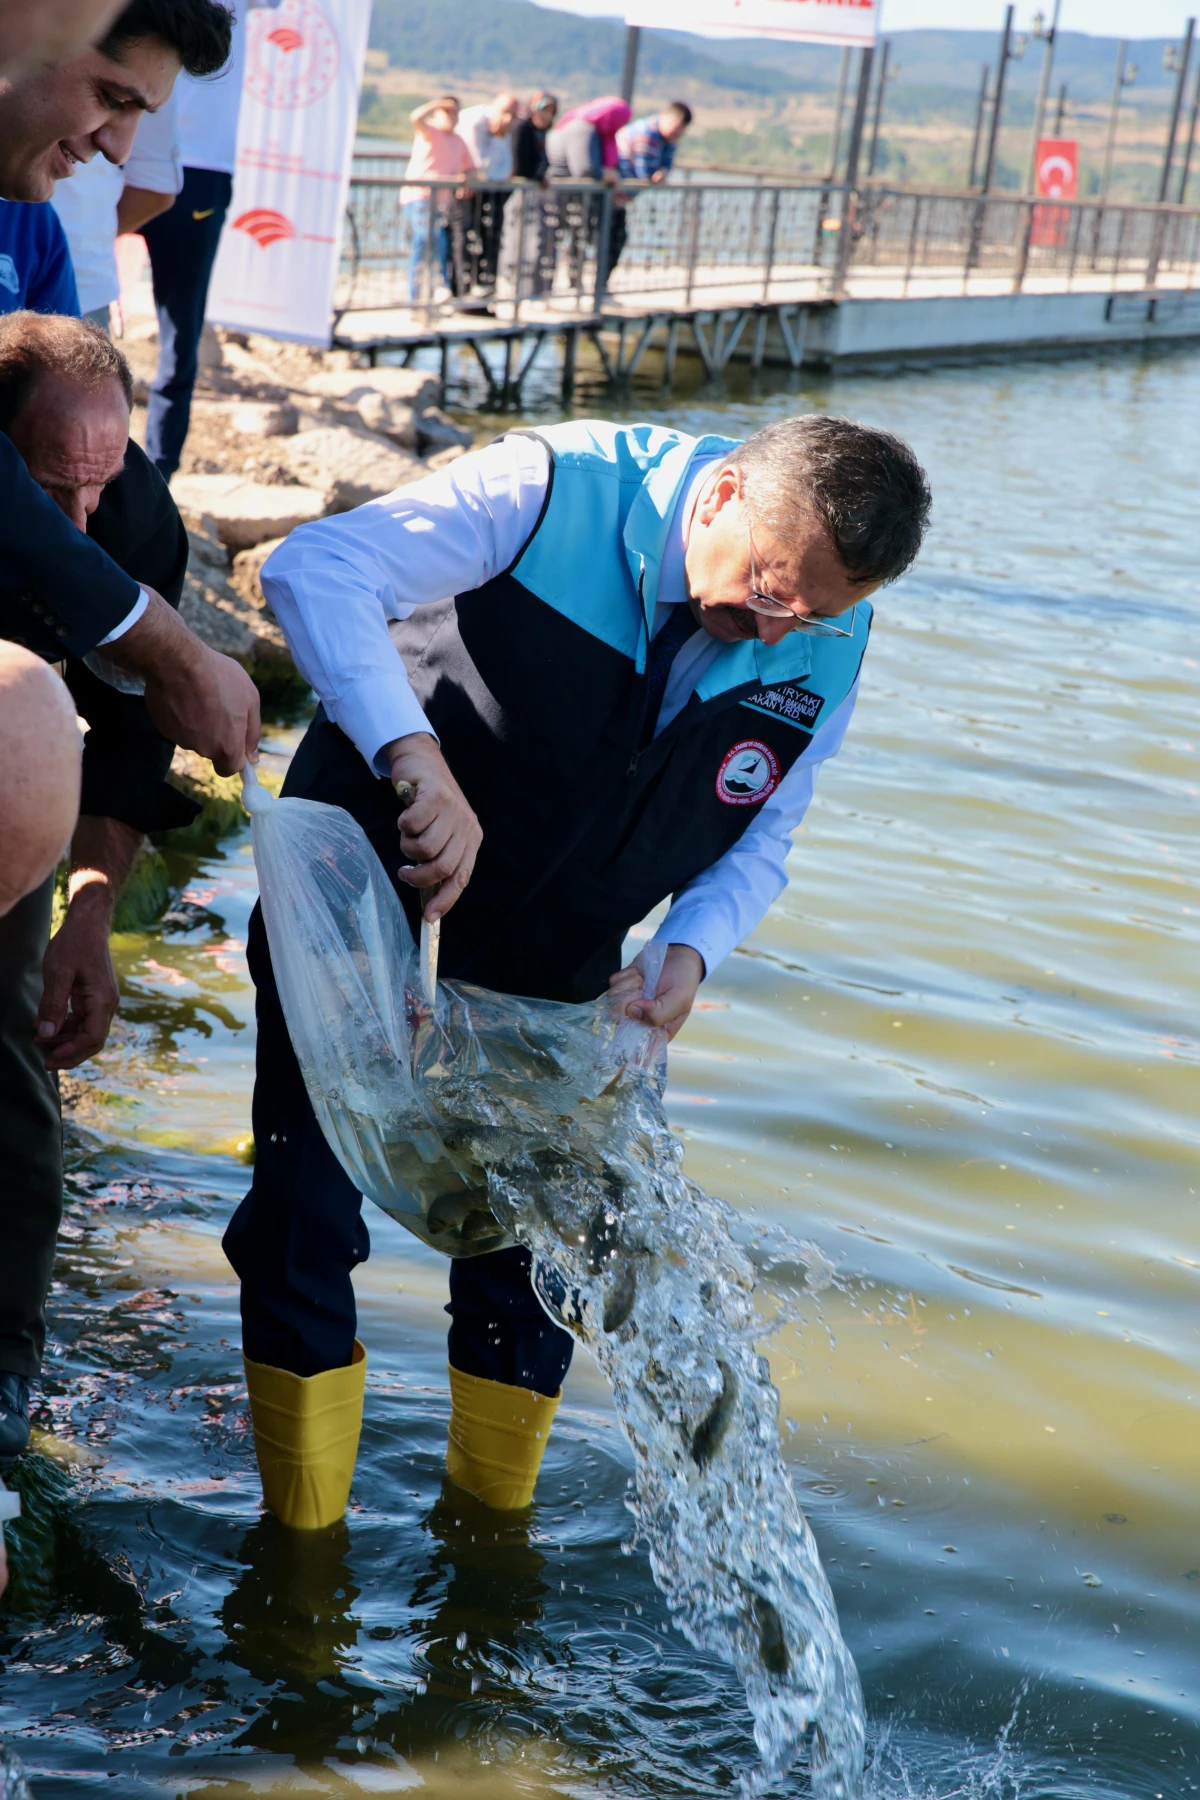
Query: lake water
[[960, 1054]]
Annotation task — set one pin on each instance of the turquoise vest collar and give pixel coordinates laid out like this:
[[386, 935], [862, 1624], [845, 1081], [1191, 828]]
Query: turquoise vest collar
[[621, 483]]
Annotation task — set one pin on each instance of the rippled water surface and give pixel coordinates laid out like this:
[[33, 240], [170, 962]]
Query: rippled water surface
[[959, 1054]]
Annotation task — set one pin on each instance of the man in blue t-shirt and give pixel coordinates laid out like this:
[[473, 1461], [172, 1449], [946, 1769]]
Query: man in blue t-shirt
[[36, 272]]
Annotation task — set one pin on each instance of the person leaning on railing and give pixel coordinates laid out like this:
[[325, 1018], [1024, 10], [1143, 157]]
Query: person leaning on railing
[[530, 162], [437, 150], [529, 240], [645, 152], [582, 148], [487, 132]]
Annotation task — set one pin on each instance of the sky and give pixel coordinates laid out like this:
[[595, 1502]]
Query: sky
[[1101, 18]]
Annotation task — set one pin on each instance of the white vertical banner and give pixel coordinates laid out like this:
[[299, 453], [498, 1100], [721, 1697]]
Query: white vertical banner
[[278, 259]]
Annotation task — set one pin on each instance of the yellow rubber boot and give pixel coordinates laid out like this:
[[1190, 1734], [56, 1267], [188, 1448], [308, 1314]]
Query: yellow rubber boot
[[306, 1432], [497, 1438]]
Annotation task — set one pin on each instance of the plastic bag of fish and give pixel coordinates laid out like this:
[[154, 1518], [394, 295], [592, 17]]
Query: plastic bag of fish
[[423, 1097]]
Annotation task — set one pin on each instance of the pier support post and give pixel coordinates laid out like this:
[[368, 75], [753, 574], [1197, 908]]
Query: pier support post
[[443, 370], [760, 342], [672, 351], [570, 352], [793, 341]]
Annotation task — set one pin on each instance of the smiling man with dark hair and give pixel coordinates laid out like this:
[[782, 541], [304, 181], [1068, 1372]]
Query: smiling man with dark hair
[[56, 118]]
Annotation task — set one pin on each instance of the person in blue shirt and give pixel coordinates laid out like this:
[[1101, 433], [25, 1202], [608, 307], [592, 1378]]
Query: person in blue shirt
[[645, 152], [36, 272], [646, 147]]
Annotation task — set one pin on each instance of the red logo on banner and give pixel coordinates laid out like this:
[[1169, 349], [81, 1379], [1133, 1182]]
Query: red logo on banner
[[265, 226], [1057, 178], [292, 54], [286, 37]]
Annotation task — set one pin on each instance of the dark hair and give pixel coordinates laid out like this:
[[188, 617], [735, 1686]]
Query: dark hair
[[199, 31], [866, 487], [679, 109], [33, 345]]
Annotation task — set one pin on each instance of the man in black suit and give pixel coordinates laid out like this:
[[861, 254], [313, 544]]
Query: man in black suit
[[61, 596], [65, 393]]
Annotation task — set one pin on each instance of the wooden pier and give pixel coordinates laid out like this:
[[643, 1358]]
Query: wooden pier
[[789, 276]]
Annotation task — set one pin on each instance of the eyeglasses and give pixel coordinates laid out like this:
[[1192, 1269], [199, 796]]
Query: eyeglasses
[[771, 608]]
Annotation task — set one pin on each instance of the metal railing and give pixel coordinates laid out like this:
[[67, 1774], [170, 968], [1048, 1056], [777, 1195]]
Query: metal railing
[[575, 248]]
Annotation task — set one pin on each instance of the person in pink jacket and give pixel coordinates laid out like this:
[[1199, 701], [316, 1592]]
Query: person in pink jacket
[[608, 115]]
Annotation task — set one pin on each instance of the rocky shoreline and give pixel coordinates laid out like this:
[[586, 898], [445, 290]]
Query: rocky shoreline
[[282, 434]]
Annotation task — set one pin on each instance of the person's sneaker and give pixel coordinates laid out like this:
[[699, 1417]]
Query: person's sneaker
[[14, 1418]]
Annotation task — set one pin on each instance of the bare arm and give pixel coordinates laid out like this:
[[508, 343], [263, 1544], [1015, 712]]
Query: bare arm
[[40, 749], [420, 116], [138, 205], [197, 698], [80, 993]]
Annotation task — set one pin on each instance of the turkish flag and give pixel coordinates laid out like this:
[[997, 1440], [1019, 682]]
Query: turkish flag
[[1056, 178]]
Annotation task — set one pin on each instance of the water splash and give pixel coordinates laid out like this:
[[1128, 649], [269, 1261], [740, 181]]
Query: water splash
[[481, 1119], [648, 1272], [965, 1774]]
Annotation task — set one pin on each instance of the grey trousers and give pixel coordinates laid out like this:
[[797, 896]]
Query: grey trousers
[[31, 1151]]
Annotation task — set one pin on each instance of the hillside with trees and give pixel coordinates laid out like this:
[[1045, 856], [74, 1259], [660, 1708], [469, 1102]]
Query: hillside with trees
[[770, 106]]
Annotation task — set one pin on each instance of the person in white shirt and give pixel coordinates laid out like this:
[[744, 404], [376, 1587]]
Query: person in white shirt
[[488, 132], [607, 660], [182, 243], [103, 200]]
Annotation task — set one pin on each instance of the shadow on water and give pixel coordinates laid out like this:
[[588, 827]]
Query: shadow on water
[[959, 1054]]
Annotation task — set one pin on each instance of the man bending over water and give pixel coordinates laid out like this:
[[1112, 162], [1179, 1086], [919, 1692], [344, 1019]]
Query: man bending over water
[[655, 641]]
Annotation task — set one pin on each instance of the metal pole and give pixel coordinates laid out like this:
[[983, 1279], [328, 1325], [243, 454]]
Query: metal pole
[[858, 124], [857, 128], [1190, 145], [1062, 110], [1176, 108], [989, 166], [979, 113], [633, 35], [1110, 143], [1039, 111], [838, 108], [885, 53]]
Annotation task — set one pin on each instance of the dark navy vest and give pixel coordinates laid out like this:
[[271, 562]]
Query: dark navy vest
[[536, 686]]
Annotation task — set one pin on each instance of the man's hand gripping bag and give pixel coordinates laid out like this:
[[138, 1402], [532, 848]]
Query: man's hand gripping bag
[[423, 1104]]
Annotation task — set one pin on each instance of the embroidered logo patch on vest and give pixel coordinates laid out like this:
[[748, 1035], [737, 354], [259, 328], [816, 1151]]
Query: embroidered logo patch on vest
[[796, 705], [748, 774]]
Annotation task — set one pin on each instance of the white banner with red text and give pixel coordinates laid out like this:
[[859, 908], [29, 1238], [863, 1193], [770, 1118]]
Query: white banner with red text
[[801, 21], [277, 264]]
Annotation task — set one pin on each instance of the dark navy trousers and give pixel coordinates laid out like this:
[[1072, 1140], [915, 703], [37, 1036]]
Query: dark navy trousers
[[299, 1232], [183, 246]]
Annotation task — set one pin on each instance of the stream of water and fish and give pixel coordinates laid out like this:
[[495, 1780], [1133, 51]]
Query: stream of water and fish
[[957, 1057]]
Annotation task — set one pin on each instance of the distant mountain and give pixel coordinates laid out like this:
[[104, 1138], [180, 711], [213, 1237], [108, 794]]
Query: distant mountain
[[768, 106], [529, 45], [515, 41]]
